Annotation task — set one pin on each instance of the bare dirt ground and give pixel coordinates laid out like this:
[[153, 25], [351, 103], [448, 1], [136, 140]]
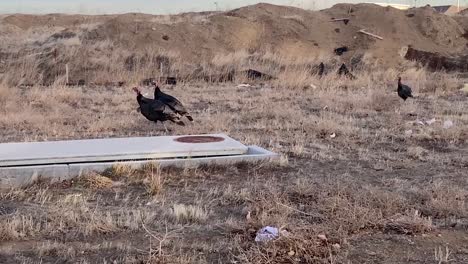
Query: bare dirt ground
[[364, 177]]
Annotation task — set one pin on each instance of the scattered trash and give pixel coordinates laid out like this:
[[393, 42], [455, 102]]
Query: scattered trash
[[370, 34], [267, 233], [333, 135], [464, 88], [430, 122], [336, 246], [291, 253], [313, 86], [244, 85], [323, 238], [419, 122], [165, 37], [345, 20], [409, 132], [154, 29], [448, 124]]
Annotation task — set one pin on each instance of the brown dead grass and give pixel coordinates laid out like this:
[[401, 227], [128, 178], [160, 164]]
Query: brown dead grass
[[348, 170], [96, 181]]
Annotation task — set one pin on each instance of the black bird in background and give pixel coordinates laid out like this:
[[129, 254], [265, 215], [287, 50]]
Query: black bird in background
[[155, 110], [404, 91], [321, 69], [343, 70], [174, 104]]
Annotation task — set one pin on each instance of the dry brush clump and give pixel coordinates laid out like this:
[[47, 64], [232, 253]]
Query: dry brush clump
[[95, 181], [409, 223], [189, 213]]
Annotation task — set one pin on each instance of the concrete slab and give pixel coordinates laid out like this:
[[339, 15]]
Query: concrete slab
[[115, 149], [20, 176], [254, 154]]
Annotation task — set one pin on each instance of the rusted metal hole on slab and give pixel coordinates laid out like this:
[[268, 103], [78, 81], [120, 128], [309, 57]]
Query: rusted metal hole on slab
[[199, 139]]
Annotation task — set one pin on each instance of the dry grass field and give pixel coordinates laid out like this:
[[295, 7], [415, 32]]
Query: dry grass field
[[364, 177], [378, 193]]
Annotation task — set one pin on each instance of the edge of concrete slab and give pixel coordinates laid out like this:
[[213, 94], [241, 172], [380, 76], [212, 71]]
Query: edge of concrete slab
[[21, 176], [18, 154]]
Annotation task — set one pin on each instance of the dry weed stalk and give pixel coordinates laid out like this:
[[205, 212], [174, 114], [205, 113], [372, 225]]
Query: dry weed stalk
[[160, 239], [155, 183]]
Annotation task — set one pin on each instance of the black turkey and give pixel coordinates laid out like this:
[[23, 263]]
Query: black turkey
[[155, 110], [343, 70], [404, 91], [321, 69], [174, 104]]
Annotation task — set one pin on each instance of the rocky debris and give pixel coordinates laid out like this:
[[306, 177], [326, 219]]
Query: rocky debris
[[339, 51], [436, 61]]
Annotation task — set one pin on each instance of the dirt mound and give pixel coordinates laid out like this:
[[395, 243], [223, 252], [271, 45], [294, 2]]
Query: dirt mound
[[463, 21], [420, 27], [198, 40], [25, 22], [288, 30]]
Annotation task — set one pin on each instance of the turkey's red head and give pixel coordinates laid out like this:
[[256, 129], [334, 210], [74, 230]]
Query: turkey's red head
[[136, 90]]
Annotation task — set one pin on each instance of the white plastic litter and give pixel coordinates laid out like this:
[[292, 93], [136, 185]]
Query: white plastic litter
[[409, 132], [322, 237], [267, 233], [419, 122], [448, 124], [430, 122], [244, 85], [465, 88]]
